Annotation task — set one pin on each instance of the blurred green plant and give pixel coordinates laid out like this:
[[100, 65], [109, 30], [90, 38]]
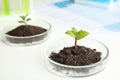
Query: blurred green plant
[[24, 19]]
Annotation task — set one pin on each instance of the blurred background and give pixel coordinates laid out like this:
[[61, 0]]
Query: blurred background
[[10, 7]]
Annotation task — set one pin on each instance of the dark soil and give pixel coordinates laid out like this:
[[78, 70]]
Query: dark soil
[[26, 31], [79, 56], [29, 30]]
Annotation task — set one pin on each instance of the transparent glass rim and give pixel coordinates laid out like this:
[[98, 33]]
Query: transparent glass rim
[[85, 66], [48, 30]]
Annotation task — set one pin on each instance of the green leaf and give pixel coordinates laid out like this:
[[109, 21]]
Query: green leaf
[[77, 34], [81, 34], [74, 30], [21, 21], [22, 17], [70, 33], [26, 15], [28, 19]]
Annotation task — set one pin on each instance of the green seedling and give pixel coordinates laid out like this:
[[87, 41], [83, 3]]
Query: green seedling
[[24, 19], [77, 34]]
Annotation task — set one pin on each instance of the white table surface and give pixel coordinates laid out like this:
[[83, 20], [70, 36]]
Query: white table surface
[[27, 63]]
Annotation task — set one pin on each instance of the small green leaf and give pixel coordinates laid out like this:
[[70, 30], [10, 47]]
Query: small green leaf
[[81, 34], [70, 33], [28, 19], [22, 17], [26, 15], [21, 21], [74, 30], [77, 34]]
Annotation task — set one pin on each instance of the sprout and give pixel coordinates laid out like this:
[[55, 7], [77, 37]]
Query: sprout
[[24, 19], [77, 34]]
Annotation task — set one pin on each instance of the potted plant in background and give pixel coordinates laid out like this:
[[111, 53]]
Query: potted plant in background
[[26, 33], [85, 58]]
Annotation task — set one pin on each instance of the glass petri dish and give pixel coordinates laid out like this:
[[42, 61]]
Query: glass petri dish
[[76, 71]]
